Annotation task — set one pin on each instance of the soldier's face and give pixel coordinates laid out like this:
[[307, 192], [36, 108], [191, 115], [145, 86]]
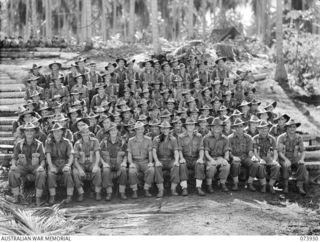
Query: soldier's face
[[85, 134], [154, 129], [217, 104], [121, 63], [93, 121], [190, 127], [33, 83], [170, 106], [227, 123], [63, 123], [92, 67], [245, 108], [57, 134], [264, 131], [58, 82], [253, 125], [203, 124], [206, 112], [113, 132], [148, 65], [106, 123], [27, 118], [55, 67], [178, 125], [194, 116], [239, 129], [117, 119], [264, 116], [216, 129], [79, 80], [224, 112], [282, 121], [165, 131], [126, 114], [291, 129], [29, 133], [74, 115], [140, 131], [80, 125]]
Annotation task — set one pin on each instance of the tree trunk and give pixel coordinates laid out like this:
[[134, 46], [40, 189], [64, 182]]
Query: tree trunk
[[34, 18], [114, 26], [281, 73], [263, 22], [131, 20], [203, 17], [77, 12], [268, 24], [103, 20], [88, 21], [154, 24], [214, 13], [174, 20], [48, 18], [10, 18], [26, 35], [190, 19]]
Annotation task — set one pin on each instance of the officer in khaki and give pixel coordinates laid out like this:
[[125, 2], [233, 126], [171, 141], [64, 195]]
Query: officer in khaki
[[140, 160], [114, 161], [216, 147], [166, 156], [292, 153], [87, 159], [28, 158], [265, 149], [241, 145], [59, 159], [191, 157]]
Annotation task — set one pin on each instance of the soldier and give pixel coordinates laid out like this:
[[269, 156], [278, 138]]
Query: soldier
[[59, 154], [86, 163], [70, 77], [265, 149], [191, 157], [241, 154], [154, 128], [221, 71], [114, 160], [252, 126], [140, 160], [28, 158], [99, 97], [203, 125], [93, 77], [292, 153], [216, 149], [105, 125], [166, 156], [279, 128], [34, 88]]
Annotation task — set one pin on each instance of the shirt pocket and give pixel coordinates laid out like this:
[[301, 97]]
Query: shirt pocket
[[35, 159]]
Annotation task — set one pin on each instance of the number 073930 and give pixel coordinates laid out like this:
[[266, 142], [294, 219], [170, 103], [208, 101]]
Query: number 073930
[[309, 238]]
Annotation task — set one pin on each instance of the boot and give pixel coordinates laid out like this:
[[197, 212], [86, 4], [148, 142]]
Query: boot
[[38, 201], [69, 199], [210, 189], [272, 191], [235, 187], [251, 187], [16, 199], [174, 193], [160, 194], [98, 196], [108, 197], [263, 189], [123, 196], [52, 200], [286, 187], [300, 189], [184, 192], [91, 195], [147, 193], [135, 195], [224, 187], [80, 197], [200, 192]]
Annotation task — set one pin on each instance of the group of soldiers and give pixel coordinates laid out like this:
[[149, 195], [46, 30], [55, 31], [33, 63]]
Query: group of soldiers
[[171, 123], [32, 42]]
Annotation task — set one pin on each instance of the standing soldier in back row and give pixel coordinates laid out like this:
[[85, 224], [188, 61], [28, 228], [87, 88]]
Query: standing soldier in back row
[[28, 158], [291, 153]]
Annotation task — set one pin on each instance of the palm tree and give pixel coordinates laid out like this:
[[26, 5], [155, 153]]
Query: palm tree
[[154, 24], [281, 73]]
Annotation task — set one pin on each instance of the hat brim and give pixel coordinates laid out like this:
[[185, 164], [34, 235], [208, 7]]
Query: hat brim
[[61, 128], [219, 59], [55, 63]]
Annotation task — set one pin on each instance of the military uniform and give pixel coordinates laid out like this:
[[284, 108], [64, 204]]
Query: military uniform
[[217, 148], [27, 160], [240, 147], [165, 152], [60, 153], [139, 151], [85, 154], [190, 148]]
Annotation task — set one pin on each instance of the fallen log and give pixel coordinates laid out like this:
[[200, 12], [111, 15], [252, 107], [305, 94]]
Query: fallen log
[[313, 148], [28, 54]]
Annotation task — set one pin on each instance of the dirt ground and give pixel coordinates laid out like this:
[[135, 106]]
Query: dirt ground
[[240, 213]]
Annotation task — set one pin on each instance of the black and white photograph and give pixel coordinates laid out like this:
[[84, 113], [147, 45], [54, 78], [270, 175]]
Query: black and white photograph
[[159, 118]]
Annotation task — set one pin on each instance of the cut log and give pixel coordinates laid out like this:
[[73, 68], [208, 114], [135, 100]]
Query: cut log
[[312, 156], [5, 159], [312, 148], [260, 77]]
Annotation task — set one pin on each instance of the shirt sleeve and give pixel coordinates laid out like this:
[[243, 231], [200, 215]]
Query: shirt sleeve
[[174, 144], [48, 147], [41, 152], [226, 146], [129, 149], [16, 151], [206, 144], [96, 145], [250, 144], [155, 143], [300, 144]]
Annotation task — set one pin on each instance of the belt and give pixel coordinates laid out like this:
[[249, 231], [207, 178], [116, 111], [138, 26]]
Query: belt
[[140, 160]]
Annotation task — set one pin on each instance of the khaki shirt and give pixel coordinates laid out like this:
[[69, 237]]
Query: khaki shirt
[[85, 152], [240, 145], [290, 147], [216, 147], [190, 146], [140, 149], [59, 150], [264, 145], [165, 149], [26, 154]]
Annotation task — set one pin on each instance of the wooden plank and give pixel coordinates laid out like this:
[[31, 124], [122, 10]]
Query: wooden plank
[[312, 148]]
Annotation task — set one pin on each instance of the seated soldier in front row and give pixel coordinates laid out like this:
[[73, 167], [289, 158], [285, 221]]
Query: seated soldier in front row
[[59, 158], [87, 160], [28, 158]]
